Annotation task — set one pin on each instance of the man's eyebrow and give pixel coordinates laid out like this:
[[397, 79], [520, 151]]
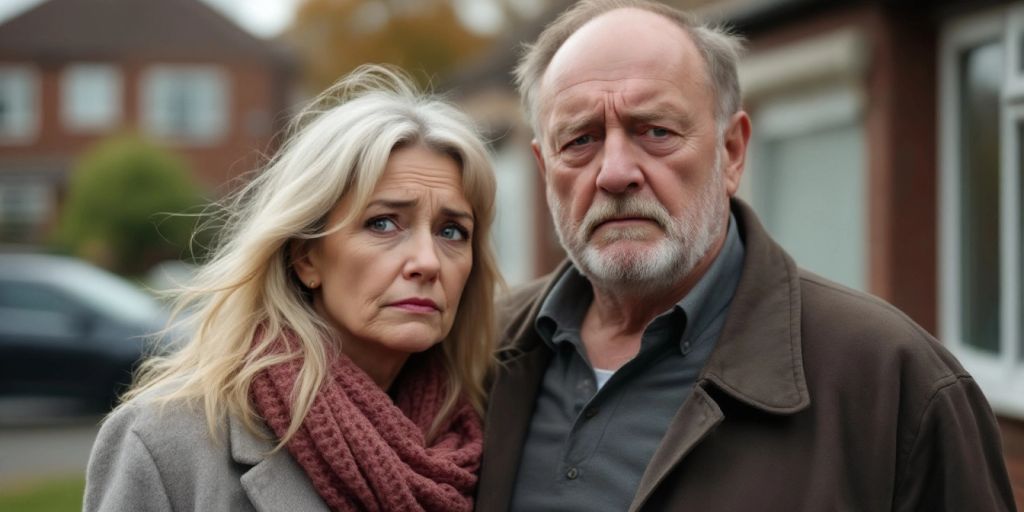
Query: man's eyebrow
[[661, 114], [575, 125]]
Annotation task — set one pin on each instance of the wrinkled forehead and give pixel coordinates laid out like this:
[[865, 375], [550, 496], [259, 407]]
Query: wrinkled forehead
[[621, 45]]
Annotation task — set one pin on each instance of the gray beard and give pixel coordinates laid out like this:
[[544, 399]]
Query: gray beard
[[663, 266]]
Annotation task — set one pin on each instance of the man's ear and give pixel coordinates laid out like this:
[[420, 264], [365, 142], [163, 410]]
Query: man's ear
[[735, 140], [304, 258], [538, 155]]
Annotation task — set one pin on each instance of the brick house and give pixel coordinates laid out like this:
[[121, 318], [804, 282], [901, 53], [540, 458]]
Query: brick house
[[73, 72], [886, 154]]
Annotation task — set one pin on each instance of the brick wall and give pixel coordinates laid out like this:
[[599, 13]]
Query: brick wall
[[255, 115]]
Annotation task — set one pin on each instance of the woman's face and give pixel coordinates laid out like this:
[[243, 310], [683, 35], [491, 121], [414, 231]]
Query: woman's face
[[391, 280]]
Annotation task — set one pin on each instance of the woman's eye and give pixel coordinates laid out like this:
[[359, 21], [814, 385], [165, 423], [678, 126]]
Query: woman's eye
[[381, 224], [454, 232]]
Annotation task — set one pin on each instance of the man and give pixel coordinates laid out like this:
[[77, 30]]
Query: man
[[681, 360]]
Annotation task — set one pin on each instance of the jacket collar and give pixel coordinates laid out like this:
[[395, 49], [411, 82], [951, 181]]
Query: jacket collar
[[758, 358], [275, 481]]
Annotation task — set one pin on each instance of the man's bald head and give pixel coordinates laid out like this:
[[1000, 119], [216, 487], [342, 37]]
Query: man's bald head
[[718, 48]]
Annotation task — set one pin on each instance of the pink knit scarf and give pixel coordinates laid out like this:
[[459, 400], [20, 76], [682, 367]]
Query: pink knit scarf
[[364, 451]]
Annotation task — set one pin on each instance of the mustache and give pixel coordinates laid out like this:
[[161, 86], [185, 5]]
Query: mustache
[[617, 208]]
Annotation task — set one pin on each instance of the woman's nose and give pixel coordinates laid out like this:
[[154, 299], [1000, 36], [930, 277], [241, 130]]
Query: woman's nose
[[422, 261]]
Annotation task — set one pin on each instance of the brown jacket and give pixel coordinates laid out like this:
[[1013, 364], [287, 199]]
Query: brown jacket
[[816, 398]]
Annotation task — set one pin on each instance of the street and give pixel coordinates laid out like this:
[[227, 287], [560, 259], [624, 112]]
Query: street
[[36, 443]]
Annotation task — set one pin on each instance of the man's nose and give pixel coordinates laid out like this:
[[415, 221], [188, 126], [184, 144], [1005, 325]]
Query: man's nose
[[620, 171], [422, 261]]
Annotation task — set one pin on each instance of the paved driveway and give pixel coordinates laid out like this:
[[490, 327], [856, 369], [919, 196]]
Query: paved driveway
[[37, 443]]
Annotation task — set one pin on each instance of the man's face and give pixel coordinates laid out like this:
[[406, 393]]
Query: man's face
[[638, 177]]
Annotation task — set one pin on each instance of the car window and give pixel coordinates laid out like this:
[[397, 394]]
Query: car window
[[35, 297], [114, 295]]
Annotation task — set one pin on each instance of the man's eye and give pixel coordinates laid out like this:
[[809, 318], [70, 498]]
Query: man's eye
[[454, 232], [581, 140], [381, 224], [658, 133]]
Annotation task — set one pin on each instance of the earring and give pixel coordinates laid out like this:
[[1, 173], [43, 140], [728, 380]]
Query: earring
[[312, 284]]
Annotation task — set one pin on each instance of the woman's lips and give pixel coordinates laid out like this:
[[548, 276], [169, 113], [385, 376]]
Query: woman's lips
[[416, 305]]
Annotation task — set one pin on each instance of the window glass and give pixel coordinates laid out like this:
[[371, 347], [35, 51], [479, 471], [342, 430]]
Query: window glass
[[185, 103], [807, 180], [1020, 234], [24, 208], [816, 212], [91, 96], [981, 73], [17, 103]]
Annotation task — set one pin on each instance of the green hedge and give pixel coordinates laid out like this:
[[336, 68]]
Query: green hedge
[[129, 205]]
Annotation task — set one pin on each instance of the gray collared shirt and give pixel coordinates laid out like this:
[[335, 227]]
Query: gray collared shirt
[[587, 448]]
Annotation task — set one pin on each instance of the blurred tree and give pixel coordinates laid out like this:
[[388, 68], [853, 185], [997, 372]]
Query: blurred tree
[[124, 204], [425, 37]]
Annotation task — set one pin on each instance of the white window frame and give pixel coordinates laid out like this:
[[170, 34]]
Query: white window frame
[[69, 116], [151, 125], [31, 131], [1000, 376]]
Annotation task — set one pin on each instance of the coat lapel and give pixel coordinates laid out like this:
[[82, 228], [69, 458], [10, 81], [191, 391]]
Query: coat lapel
[[275, 481], [508, 419], [523, 359], [757, 360], [698, 416]]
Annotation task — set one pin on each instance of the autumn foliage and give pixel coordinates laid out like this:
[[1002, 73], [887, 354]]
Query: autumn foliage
[[425, 37]]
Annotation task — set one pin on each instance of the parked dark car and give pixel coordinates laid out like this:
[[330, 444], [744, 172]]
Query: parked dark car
[[70, 330]]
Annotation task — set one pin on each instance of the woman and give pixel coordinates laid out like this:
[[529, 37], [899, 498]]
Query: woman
[[341, 331]]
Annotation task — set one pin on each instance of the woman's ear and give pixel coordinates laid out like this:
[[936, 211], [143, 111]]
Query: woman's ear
[[305, 260]]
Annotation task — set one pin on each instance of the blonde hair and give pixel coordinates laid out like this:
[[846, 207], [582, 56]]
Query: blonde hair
[[720, 49], [248, 295]]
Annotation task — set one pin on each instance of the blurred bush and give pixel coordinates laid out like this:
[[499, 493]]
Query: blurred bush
[[130, 204]]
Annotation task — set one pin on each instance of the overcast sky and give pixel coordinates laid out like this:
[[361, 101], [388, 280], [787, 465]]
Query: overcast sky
[[269, 17], [262, 17]]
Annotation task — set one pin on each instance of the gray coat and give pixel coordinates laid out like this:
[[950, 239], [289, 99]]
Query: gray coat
[[147, 459]]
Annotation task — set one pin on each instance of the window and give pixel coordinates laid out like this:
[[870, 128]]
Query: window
[[25, 207], [513, 232], [806, 169], [19, 104], [814, 210], [91, 97], [187, 104], [982, 144]]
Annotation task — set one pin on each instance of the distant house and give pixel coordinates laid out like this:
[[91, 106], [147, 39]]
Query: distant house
[[887, 154], [73, 72]]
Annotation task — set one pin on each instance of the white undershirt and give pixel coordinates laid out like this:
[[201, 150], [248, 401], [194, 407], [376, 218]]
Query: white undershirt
[[602, 376]]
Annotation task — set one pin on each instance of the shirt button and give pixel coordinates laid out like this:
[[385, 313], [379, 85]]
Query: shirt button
[[590, 412], [572, 473]]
